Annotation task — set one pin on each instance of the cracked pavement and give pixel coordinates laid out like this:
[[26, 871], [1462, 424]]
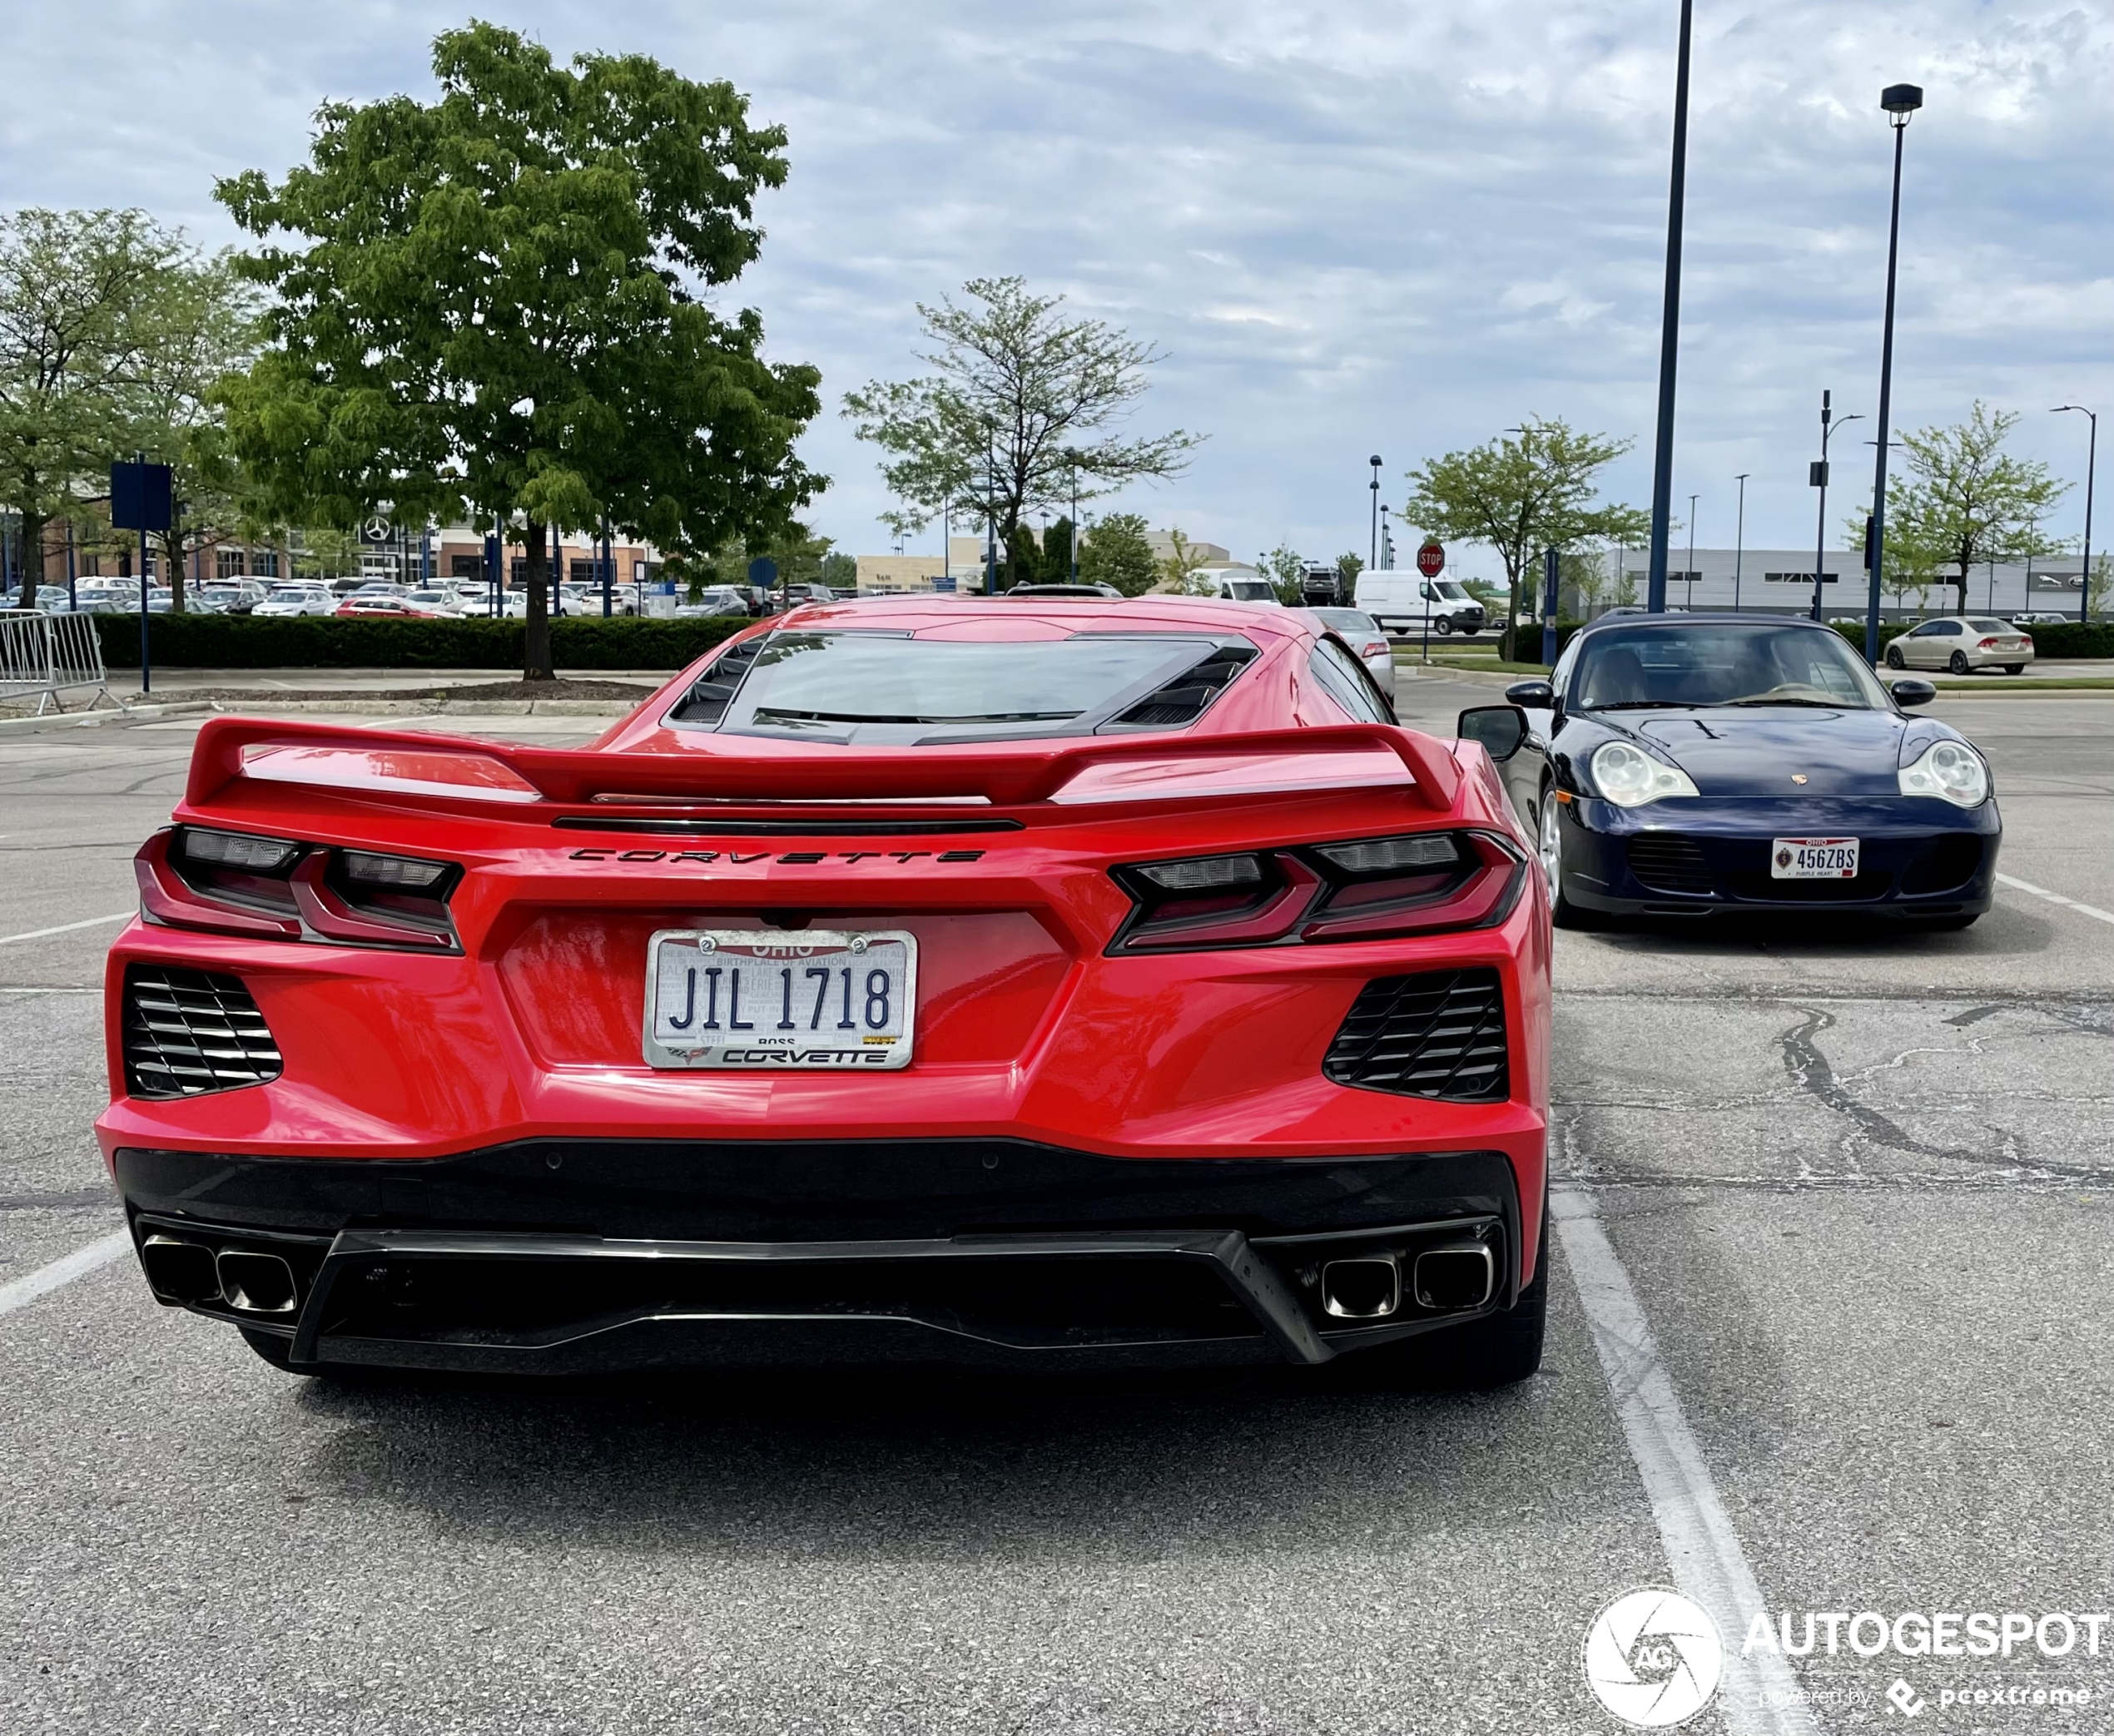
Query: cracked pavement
[[1859, 1181]]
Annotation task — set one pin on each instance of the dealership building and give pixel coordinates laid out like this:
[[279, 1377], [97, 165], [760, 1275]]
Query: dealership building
[[1779, 581]]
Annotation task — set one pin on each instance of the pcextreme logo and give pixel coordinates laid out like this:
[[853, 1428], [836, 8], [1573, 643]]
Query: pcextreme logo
[[1653, 1658]]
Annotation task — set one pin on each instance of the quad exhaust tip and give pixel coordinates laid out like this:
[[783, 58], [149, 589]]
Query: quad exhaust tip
[[1368, 1286], [257, 1283], [179, 1271], [1461, 1275]]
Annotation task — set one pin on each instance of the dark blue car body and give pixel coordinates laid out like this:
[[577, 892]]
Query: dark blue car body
[[1761, 773]]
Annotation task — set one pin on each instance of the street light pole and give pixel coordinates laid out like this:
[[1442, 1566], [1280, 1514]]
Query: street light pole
[[1669, 336], [1689, 576], [2091, 464], [1373, 562], [1740, 537], [1900, 102], [1819, 478]]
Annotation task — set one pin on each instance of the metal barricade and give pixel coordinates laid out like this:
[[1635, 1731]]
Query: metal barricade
[[44, 655]]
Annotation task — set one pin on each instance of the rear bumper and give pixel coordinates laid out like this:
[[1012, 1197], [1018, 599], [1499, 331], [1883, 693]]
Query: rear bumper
[[551, 1256]]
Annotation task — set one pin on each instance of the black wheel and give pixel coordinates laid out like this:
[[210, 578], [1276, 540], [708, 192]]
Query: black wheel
[[1894, 658], [2014, 669], [1550, 849], [1959, 665], [1444, 627]]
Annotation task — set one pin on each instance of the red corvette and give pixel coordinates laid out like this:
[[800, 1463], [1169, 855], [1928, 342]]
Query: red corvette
[[1068, 984]]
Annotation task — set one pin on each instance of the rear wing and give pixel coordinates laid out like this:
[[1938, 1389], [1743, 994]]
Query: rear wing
[[402, 764]]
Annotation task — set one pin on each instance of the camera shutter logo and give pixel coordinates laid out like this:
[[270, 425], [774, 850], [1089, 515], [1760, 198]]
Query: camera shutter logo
[[1653, 1658]]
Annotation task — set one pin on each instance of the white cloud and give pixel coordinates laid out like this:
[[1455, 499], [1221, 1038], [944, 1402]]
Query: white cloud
[[1396, 228]]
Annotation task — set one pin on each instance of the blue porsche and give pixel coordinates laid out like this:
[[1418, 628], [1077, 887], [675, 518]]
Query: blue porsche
[[1682, 765]]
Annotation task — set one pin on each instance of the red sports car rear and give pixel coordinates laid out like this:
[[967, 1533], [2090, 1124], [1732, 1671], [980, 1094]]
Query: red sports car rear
[[1038, 985]]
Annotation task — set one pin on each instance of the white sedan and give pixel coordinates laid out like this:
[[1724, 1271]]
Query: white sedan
[[298, 600]]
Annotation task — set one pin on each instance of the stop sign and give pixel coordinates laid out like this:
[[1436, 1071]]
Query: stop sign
[[1431, 559]]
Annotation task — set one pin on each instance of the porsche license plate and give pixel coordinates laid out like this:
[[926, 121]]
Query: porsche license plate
[[738, 1000], [1813, 859]]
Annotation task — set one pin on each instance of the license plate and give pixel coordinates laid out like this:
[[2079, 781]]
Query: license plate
[[736, 1000], [1813, 859]]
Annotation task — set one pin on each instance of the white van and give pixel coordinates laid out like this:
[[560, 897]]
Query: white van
[[1402, 602]]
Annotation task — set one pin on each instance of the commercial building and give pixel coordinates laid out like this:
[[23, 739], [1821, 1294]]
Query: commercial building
[[1779, 581]]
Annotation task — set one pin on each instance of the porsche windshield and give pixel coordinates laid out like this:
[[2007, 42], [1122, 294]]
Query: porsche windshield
[[882, 687], [1732, 663]]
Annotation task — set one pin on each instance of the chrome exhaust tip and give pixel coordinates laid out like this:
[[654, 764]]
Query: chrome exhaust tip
[[1367, 1287], [179, 1271], [1460, 1275], [258, 1283]]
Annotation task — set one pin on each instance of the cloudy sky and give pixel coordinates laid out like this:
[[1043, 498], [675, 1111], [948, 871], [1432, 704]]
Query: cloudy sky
[[1391, 228]]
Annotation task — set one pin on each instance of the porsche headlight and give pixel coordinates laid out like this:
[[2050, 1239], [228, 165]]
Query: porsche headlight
[[1950, 769], [1630, 778]]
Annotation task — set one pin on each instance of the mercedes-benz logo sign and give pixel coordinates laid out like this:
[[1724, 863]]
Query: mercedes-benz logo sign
[[1653, 1658]]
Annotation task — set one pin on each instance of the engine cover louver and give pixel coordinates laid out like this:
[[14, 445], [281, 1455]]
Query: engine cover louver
[[188, 1032], [1439, 1034]]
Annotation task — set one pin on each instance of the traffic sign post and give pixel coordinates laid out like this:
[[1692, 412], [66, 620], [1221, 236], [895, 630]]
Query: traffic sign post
[[1551, 596], [142, 499], [1431, 561]]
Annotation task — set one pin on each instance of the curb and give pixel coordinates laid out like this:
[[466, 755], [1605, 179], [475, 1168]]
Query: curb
[[54, 721]]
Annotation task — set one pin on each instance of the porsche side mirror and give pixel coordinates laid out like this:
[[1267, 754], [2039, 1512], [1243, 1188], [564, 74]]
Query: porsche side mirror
[[1500, 729], [1537, 694], [1912, 693]]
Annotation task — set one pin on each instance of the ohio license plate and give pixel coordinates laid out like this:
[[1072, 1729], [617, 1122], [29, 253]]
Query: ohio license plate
[[1813, 859], [741, 1000]]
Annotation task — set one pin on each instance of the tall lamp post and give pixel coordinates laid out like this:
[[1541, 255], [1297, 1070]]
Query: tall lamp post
[[1819, 478], [1740, 537], [1900, 102], [1373, 562], [2091, 464], [1670, 335], [1689, 576]]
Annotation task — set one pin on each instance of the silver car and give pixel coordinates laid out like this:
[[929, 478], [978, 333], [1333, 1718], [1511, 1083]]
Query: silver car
[[1962, 643], [1362, 634]]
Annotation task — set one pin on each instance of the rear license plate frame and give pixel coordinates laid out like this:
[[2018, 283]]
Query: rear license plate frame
[[767, 1047]]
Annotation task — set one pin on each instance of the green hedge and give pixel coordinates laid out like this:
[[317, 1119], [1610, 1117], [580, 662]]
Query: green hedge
[[323, 642], [1530, 641]]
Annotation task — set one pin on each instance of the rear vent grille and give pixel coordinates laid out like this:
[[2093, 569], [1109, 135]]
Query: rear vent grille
[[707, 701], [1438, 1034], [1668, 862], [1183, 699], [188, 1032]]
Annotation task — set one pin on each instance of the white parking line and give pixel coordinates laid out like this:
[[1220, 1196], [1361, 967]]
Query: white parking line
[[66, 928], [2068, 903], [1759, 1693], [64, 1271]]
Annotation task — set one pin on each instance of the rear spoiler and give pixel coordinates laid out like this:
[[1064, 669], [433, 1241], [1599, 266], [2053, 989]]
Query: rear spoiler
[[1068, 772]]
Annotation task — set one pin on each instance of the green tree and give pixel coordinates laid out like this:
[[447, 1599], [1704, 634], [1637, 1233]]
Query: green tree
[[493, 309], [73, 287], [1528, 490], [1017, 415], [199, 322], [1287, 572], [1116, 552], [1965, 501], [1347, 569], [840, 572]]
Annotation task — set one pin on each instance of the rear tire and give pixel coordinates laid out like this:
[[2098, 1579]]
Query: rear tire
[[274, 1349], [1894, 658], [1959, 665], [2014, 669]]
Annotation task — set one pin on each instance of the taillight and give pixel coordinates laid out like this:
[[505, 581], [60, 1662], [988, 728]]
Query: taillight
[[1360, 889], [235, 883], [1985, 645], [1375, 648]]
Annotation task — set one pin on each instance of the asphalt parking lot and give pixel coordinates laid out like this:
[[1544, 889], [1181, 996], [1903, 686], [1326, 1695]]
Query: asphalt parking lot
[[1857, 1184]]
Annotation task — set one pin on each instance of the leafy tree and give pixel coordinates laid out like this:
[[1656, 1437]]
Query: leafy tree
[[1287, 572], [1965, 502], [1057, 553], [840, 572], [1347, 569], [198, 320], [493, 309], [1018, 410], [1116, 552], [1180, 565], [73, 285], [1520, 493]]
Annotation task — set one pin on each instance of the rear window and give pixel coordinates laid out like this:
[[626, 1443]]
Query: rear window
[[889, 689], [1992, 626], [1352, 623]]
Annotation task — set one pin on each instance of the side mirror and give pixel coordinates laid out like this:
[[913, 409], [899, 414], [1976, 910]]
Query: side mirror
[[1500, 729], [1912, 693], [1538, 695]]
